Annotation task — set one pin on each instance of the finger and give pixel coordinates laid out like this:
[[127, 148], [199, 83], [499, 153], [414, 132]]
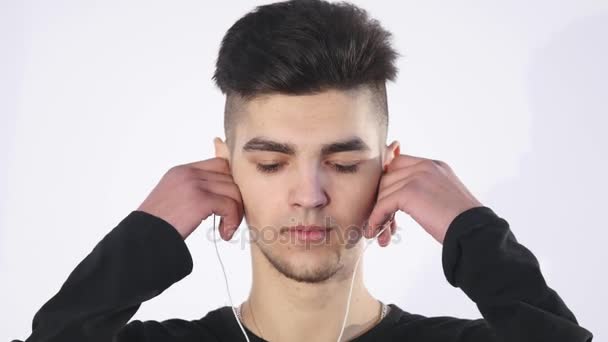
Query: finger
[[219, 183], [228, 189], [211, 175], [385, 236], [216, 164], [395, 187], [382, 212], [393, 226], [403, 160], [380, 231], [227, 208], [379, 228], [397, 175]]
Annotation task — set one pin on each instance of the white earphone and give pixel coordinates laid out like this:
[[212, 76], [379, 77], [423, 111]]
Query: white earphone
[[350, 292]]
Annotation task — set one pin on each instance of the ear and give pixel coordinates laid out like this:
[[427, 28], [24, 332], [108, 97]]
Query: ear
[[221, 148], [390, 152]]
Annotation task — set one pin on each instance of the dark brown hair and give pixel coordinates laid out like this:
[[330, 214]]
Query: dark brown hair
[[303, 47]]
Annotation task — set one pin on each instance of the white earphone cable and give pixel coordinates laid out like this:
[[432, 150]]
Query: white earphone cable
[[226, 280], [352, 281]]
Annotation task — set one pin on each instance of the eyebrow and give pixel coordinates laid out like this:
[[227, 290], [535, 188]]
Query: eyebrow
[[265, 144]]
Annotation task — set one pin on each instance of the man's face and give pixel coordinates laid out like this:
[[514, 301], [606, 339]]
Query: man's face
[[291, 172]]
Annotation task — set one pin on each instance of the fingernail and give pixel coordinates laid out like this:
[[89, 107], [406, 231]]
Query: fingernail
[[223, 231], [383, 241]]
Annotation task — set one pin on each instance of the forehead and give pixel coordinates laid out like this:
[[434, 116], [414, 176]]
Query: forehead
[[310, 120]]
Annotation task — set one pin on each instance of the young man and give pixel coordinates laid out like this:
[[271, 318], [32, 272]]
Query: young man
[[306, 165]]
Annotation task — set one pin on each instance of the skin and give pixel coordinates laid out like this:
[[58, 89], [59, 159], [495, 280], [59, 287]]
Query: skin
[[299, 291], [295, 285]]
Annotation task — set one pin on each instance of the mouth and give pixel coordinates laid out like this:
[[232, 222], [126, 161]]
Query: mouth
[[308, 233]]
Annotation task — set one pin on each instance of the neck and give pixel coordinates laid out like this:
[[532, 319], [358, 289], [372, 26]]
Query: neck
[[281, 309]]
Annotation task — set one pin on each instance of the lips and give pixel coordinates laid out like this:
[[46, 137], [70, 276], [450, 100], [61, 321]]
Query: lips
[[307, 228], [308, 233]]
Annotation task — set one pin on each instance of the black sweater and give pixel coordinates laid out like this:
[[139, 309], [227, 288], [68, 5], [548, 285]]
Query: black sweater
[[144, 255]]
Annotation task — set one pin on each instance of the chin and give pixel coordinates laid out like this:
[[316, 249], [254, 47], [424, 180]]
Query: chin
[[311, 272], [309, 266]]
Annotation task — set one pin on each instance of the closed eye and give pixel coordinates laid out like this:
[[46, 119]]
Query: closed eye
[[272, 168]]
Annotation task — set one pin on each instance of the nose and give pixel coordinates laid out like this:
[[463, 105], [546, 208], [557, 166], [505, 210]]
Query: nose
[[308, 190]]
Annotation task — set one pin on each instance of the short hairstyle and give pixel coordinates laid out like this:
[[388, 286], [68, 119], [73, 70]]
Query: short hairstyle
[[301, 47]]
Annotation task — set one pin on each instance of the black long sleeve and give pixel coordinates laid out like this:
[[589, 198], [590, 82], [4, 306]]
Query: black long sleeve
[[137, 260], [144, 255], [482, 257]]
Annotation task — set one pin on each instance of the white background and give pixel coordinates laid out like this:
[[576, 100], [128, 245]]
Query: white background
[[99, 98]]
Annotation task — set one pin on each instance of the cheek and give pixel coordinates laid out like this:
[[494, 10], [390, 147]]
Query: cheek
[[355, 201], [260, 201]]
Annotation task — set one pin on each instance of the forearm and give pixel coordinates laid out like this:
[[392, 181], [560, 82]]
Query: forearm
[[482, 257], [141, 257]]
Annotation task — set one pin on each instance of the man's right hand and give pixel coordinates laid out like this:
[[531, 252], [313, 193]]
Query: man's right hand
[[187, 194]]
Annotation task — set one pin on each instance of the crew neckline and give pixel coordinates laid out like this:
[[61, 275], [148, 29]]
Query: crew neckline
[[370, 335]]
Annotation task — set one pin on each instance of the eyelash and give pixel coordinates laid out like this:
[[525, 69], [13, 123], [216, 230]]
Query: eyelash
[[271, 168]]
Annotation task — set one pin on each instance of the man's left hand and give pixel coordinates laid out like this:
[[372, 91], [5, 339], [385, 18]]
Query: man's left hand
[[426, 189]]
